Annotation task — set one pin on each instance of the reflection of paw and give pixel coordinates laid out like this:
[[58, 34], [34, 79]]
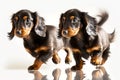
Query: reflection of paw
[[97, 60], [68, 71], [56, 74], [68, 60], [97, 75], [69, 74], [56, 59]]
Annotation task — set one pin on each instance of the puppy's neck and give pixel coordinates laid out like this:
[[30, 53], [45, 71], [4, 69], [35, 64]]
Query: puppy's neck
[[27, 37]]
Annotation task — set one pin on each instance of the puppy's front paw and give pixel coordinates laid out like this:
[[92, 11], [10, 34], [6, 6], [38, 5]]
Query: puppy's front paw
[[56, 59], [33, 67], [78, 66], [68, 60]]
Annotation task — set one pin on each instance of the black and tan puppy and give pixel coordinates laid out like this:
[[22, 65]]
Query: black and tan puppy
[[40, 40], [86, 36]]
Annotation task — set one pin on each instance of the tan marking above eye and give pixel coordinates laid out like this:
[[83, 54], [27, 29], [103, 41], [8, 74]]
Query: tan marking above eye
[[72, 17], [16, 18], [25, 17], [64, 18]]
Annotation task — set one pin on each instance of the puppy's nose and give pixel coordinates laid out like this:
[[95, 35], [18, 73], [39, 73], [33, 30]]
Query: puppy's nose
[[65, 32], [18, 32]]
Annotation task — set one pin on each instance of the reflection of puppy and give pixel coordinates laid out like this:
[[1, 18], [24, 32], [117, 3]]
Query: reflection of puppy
[[69, 74], [86, 36], [40, 40], [100, 74], [78, 76], [56, 74], [39, 76]]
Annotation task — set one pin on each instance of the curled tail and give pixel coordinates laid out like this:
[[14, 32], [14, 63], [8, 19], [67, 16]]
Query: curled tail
[[104, 16]]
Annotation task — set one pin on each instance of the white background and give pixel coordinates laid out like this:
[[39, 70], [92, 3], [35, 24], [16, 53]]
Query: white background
[[12, 53]]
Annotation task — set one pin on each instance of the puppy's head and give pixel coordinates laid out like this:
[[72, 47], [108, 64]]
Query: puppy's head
[[74, 21], [23, 22]]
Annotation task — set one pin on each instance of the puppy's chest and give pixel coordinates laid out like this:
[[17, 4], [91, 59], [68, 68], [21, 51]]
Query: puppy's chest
[[36, 46], [76, 42]]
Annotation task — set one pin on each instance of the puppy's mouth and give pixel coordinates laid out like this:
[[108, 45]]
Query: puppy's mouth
[[22, 33], [70, 32]]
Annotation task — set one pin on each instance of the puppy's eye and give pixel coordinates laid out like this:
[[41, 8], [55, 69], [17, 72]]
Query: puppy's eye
[[27, 22], [75, 22]]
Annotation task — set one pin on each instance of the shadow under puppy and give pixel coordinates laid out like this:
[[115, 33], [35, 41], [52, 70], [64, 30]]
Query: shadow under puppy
[[86, 36], [40, 40]]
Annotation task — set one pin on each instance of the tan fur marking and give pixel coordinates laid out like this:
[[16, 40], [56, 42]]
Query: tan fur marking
[[73, 32], [56, 58], [43, 48], [28, 50], [75, 50], [26, 31], [25, 17], [16, 18], [72, 17], [37, 64], [95, 48], [97, 60], [64, 18]]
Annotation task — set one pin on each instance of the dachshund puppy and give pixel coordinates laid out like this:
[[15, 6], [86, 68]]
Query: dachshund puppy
[[86, 36], [40, 40]]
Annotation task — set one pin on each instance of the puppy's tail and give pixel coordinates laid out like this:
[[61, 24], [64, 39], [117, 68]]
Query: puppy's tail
[[112, 36], [104, 16]]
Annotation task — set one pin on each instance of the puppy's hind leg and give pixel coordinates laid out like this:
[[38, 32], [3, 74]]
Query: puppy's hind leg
[[100, 58]]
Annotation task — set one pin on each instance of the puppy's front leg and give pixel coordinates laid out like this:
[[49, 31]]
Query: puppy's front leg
[[78, 60], [68, 58], [37, 64]]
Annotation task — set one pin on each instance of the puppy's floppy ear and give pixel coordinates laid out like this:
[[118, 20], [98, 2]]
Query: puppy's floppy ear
[[91, 26], [39, 25], [11, 33], [60, 25]]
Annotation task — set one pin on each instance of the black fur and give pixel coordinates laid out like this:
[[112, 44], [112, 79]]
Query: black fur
[[86, 36], [40, 40]]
